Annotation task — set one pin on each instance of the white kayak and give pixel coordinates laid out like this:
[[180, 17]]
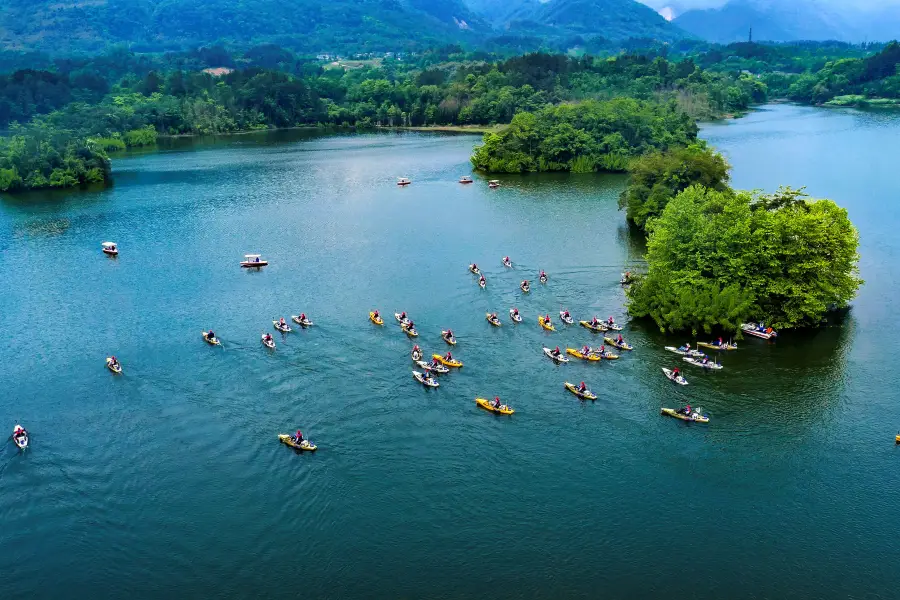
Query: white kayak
[[424, 380], [515, 316], [282, 328], [699, 363], [683, 352], [568, 320], [613, 326], [551, 356], [677, 379], [401, 319], [301, 322], [426, 366], [20, 437], [482, 283], [507, 264], [416, 355], [268, 343]]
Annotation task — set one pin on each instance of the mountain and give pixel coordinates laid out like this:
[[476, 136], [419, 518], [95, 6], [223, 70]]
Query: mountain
[[309, 25], [609, 19], [788, 20]]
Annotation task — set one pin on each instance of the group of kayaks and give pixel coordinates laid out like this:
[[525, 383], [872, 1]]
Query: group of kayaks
[[525, 286]]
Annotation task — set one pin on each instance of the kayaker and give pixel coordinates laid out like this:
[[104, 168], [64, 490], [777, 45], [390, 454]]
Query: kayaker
[[611, 321], [555, 352], [585, 350], [676, 373], [566, 314], [543, 275], [687, 410], [515, 312], [595, 321], [602, 348], [434, 363], [268, 337], [524, 283], [210, 335], [506, 260], [474, 267], [496, 401], [20, 433], [375, 313], [448, 357], [547, 319], [620, 339], [114, 362], [482, 280], [410, 326], [303, 317], [705, 361], [402, 316], [449, 335], [582, 388]]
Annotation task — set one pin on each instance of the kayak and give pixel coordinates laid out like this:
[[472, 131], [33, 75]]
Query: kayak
[[525, 287], [282, 328], [595, 328], [482, 283], [543, 279], [268, 343], [450, 340], [585, 395], [488, 405], [693, 417], [567, 320], [303, 446], [752, 329], [696, 362], [401, 319], [694, 353], [551, 356], [507, 264], [424, 380], [613, 327], [711, 346], [22, 440], [212, 342], [447, 363], [301, 322], [609, 355], [474, 270], [429, 367], [115, 368], [579, 354], [679, 380], [416, 354], [547, 326], [492, 320], [515, 316], [376, 320], [410, 331], [622, 346]]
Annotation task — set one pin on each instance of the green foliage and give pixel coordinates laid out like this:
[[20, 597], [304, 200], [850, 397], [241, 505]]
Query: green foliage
[[108, 144], [717, 258], [659, 176], [145, 136], [50, 159], [584, 137]]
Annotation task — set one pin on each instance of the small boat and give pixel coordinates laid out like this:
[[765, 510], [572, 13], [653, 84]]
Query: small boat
[[578, 354], [559, 359], [416, 355], [282, 328], [546, 324], [694, 417], [565, 318], [627, 279], [268, 342], [401, 319], [465, 179], [585, 395], [408, 330], [613, 326], [115, 367], [456, 364], [677, 379], [403, 181], [754, 329], [493, 183], [507, 263], [425, 380], [543, 279], [493, 319], [607, 355], [449, 339], [482, 283], [683, 352], [712, 346], [253, 261], [474, 269], [621, 346], [599, 327], [525, 287], [110, 248], [714, 366], [432, 368], [20, 437], [488, 405], [516, 317], [376, 318], [212, 342], [304, 446], [301, 322]]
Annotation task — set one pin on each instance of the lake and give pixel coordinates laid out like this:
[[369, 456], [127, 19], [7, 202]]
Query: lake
[[169, 478]]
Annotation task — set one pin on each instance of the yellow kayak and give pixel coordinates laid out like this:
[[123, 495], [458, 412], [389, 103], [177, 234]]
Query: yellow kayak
[[610, 356], [492, 319], [449, 340], [615, 344], [408, 331], [598, 328], [694, 418], [487, 405], [303, 446], [578, 354], [212, 342], [376, 320], [725, 346], [447, 363], [585, 395], [547, 326]]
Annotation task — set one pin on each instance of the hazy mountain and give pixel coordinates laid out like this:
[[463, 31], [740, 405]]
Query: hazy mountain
[[786, 20], [310, 24]]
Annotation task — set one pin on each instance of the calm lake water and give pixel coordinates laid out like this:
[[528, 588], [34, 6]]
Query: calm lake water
[[169, 479]]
